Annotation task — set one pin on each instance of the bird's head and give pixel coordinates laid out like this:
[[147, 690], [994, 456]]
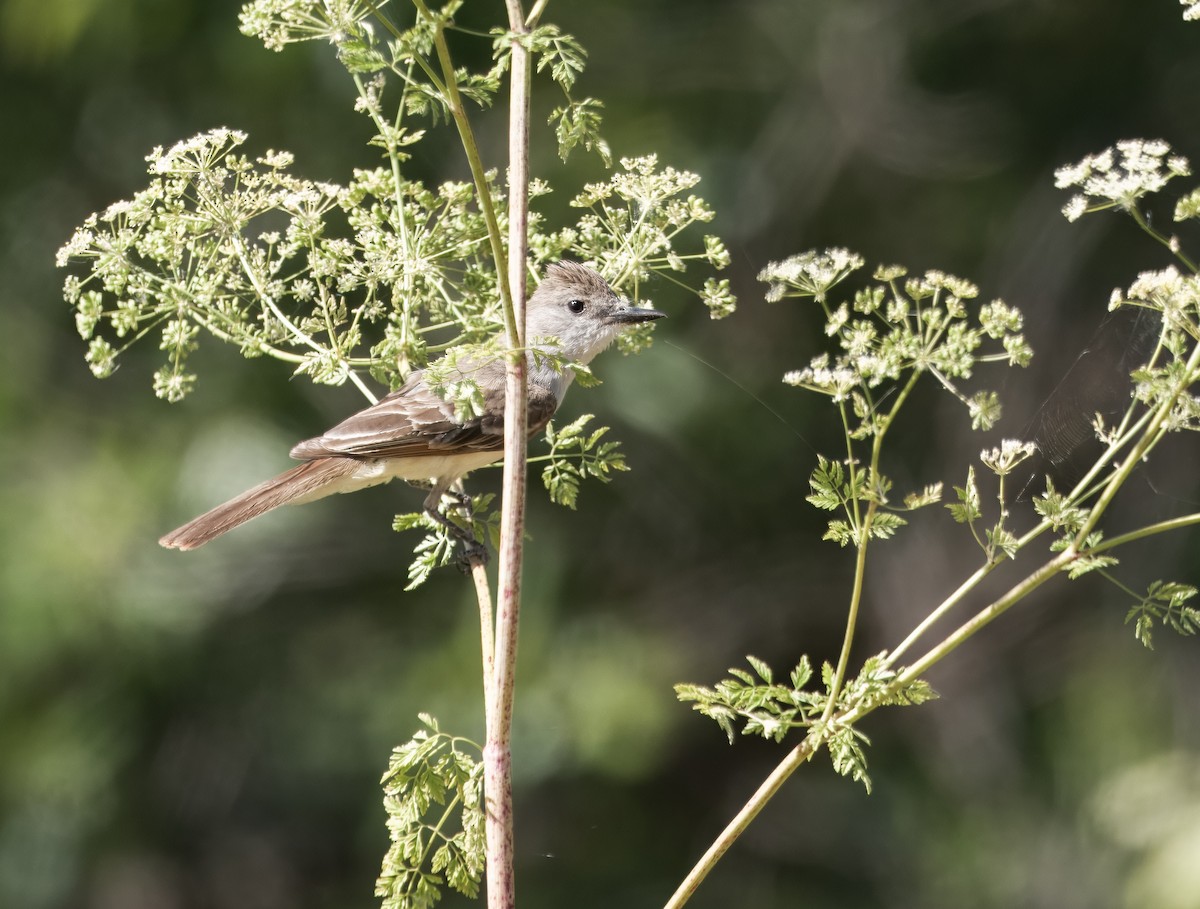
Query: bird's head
[[576, 306]]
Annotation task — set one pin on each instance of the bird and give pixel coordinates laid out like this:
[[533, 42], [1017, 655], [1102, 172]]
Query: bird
[[415, 433]]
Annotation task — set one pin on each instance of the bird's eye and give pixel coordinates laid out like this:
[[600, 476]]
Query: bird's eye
[[576, 306]]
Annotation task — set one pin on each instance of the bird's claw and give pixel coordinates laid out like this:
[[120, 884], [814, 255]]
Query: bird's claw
[[473, 551], [471, 554]]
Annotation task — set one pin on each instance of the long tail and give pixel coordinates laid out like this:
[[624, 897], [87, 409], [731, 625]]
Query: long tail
[[303, 482]]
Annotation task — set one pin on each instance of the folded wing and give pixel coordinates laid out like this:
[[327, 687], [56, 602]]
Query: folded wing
[[414, 422]]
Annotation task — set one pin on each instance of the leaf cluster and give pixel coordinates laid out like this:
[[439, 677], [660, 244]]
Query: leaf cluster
[[433, 794], [834, 487], [771, 709], [1165, 603], [575, 454]]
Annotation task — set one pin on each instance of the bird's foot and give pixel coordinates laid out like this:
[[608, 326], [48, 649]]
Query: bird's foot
[[473, 551]]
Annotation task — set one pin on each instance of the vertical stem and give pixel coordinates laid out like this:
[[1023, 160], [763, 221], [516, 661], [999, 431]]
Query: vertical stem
[[864, 529], [487, 626], [501, 885], [860, 573]]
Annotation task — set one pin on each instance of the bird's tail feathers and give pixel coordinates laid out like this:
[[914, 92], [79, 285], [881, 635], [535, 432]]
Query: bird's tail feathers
[[303, 482]]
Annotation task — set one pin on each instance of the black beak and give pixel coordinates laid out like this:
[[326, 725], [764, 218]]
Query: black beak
[[632, 315]]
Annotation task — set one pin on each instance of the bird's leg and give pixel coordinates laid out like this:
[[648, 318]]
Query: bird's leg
[[473, 550]]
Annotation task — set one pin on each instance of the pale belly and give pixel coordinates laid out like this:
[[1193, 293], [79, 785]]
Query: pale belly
[[374, 471]]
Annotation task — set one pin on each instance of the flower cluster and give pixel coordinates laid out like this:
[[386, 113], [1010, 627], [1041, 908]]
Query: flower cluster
[[376, 275], [191, 252], [810, 274], [1117, 177], [919, 323], [278, 23], [630, 228], [1001, 461], [1175, 295], [837, 382]]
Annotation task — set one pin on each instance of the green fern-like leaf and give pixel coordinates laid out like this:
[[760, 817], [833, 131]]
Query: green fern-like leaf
[[433, 798]]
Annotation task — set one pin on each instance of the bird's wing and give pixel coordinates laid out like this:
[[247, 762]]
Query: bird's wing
[[413, 422]]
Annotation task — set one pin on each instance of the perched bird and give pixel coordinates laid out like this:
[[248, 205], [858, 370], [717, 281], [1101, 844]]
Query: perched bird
[[415, 434]]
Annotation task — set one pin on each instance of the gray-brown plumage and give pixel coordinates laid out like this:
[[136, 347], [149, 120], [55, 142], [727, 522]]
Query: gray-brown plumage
[[415, 434]]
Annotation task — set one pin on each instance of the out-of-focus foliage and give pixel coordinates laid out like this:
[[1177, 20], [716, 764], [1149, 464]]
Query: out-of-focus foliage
[[209, 730]]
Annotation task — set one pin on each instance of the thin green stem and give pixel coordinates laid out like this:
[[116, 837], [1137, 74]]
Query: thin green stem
[[981, 619], [1166, 241], [860, 572], [736, 827], [402, 226], [864, 536], [945, 606], [850, 507], [1118, 583], [959, 594], [269, 302], [808, 747], [1149, 530], [535, 13], [435, 831], [275, 353], [458, 112], [1148, 438]]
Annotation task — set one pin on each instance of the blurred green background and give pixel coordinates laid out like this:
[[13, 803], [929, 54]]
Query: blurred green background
[[208, 730]]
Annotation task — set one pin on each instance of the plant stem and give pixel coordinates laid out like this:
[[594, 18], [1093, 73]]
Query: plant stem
[[860, 572], [814, 739], [860, 565], [1149, 530], [984, 617], [501, 885], [291, 326], [1150, 436], [535, 14], [478, 173], [1140, 218], [963, 589], [742, 819], [487, 627]]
